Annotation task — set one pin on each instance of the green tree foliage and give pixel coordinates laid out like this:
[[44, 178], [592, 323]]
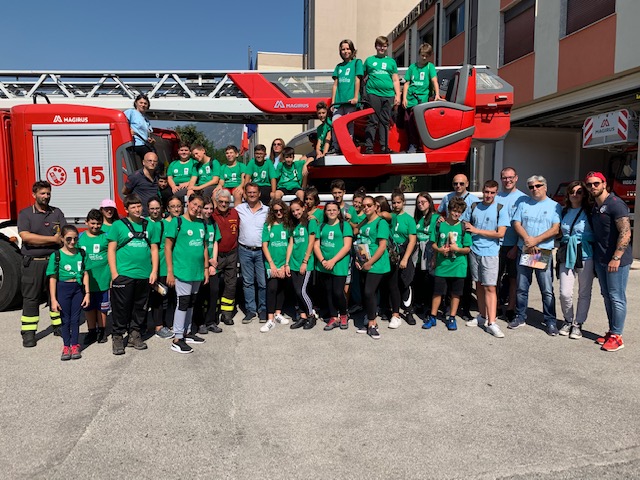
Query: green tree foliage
[[191, 135]]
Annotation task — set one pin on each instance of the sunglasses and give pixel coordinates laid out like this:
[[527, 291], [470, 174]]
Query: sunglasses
[[70, 239], [367, 205], [277, 210], [278, 144], [537, 185], [593, 184], [577, 192], [455, 184]]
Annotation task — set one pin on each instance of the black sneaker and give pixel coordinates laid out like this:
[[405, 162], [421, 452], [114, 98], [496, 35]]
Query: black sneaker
[[202, 330], [102, 335], [117, 344], [409, 318], [57, 330], [262, 316], [29, 339], [214, 328], [227, 318], [191, 338], [373, 332], [181, 346], [91, 337], [248, 318]]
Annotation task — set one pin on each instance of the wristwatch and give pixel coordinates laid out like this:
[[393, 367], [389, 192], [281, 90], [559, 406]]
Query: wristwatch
[[616, 258]]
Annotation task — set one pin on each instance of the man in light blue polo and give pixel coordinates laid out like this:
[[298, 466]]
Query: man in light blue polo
[[537, 222], [487, 224]]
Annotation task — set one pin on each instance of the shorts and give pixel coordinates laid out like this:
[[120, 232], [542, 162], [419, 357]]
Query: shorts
[[265, 194], [99, 301], [230, 190], [452, 285], [289, 191], [508, 266], [484, 269]]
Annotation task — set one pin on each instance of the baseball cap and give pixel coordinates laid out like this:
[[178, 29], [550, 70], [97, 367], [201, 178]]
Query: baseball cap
[[107, 202], [599, 175]]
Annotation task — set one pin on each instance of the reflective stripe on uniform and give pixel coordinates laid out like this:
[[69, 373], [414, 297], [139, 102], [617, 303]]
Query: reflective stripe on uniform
[[55, 318], [29, 324], [226, 304]]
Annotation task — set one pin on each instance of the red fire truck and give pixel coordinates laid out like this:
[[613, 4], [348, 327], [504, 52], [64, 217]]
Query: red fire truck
[[82, 151]]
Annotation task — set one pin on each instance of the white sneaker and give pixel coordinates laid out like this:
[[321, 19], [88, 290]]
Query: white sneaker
[[281, 319], [267, 326], [395, 321], [478, 320], [494, 330]]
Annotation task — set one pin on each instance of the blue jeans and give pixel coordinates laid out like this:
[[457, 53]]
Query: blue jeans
[[545, 282], [253, 274], [613, 286]]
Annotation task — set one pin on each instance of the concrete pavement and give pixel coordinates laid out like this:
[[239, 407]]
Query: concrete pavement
[[314, 404]]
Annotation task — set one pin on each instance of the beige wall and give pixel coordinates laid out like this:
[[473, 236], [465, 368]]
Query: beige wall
[[359, 20], [271, 61]]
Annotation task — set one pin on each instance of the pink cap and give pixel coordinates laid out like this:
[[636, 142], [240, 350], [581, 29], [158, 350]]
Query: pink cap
[[595, 174], [107, 202]]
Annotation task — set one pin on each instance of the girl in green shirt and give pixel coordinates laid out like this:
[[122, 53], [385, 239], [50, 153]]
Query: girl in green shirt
[[299, 264], [312, 204], [332, 249], [69, 289], [425, 217], [275, 240]]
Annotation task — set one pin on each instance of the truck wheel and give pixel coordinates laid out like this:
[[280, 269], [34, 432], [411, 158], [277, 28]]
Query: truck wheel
[[10, 273]]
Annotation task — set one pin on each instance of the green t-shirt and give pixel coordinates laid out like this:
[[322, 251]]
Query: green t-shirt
[[322, 130], [213, 236], [96, 263], [182, 172], [161, 228], [379, 71], [356, 217], [423, 229], [331, 242], [420, 87], [105, 228], [206, 171], [188, 249], [370, 234], [232, 176], [261, 174], [318, 213], [277, 239], [70, 267], [133, 258], [301, 238], [290, 177], [454, 265], [346, 73], [402, 226]]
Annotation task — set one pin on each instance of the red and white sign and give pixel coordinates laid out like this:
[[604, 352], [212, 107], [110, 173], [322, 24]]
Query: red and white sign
[[608, 129], [56, 175]]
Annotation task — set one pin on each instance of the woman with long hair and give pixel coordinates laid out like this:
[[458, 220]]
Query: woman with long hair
[[425, 217], [575, 259], [312, 204], [276, 151]]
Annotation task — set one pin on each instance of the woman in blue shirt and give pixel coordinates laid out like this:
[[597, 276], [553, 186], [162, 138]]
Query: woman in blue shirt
[[575, 259], [140, 126]]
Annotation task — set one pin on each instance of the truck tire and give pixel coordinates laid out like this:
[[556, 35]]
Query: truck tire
[[10, 273]]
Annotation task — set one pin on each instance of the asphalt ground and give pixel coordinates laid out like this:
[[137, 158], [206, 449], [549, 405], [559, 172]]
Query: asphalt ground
[[315, 404]]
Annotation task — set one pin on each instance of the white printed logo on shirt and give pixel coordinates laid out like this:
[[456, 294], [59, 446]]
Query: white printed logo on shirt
[[330, 235], [283, 235], [96, 248], [190, 232]]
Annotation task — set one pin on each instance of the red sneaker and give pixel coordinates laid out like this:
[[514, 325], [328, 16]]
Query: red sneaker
[[334, 322], [66, 353], [75, 352], [602, 340], [344, 322], [613, 343]]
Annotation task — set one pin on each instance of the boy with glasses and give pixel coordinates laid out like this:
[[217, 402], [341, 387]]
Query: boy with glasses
[[291, 176], [537, 222]]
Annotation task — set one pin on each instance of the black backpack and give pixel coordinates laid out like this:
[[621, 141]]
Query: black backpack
[[139, 235], [392, 247], [56, 259]]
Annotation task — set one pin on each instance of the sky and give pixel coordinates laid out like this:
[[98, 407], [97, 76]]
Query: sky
[[153, 35]]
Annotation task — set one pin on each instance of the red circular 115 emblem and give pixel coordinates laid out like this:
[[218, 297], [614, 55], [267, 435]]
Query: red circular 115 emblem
[[56, 175]]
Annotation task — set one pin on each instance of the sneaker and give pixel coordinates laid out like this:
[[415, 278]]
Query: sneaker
[[165, 333], [57, 330], [355, 309], [614, 343], [409, 318], [227, 318], [603, 340], [91, 336], [565, 329], [181, 346], [334, 322], [451, 323], [368, 150], [361, 329], [249, 317], [135, 340], [431, 321], [494, 330], [214, 328], [576, 332], [515, 323], [102, 335], [373, 332], [203, 330], [117, 344], [267, 326], [262, 316], [281, 319], [66, 353], [344, 322], [395, 321], [311, 322], [552, 329], [384, 316], [75, 352], [192, 338], [478, 320], [411, 149], [29, 339]]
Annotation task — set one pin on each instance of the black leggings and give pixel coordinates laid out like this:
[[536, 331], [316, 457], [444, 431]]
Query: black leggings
[[163, 307], [423, 287], [300, 284], [371, 283], [275, 294], [209, 295], [399, 284], [334, 291]]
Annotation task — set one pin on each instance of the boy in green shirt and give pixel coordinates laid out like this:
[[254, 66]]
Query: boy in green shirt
[[323, 131], [452, 245], [262, 173], [233, 175], [208, 171], [383, 94], [133, 262], [182, 174], [94, 242], [291, 176], [421, 83]]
